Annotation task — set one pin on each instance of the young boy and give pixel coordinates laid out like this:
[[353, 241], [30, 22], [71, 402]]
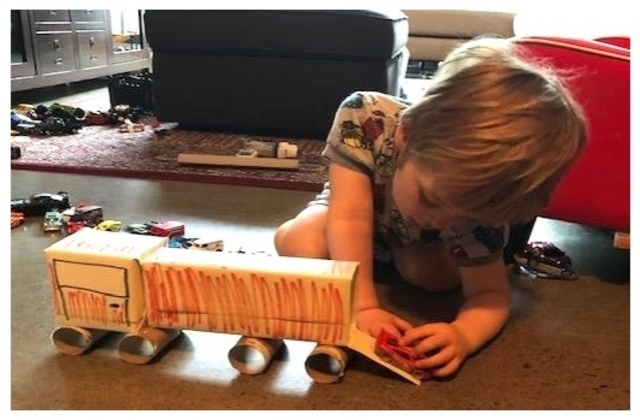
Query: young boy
[[438, 183]]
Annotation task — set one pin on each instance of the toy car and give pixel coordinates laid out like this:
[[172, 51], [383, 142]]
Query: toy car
[[205, 244], [138, 228], [169, 228], [40, 204], [403, 357], [17, 219], [90, 215], [109, 225], [546, 260], [73, 227], [180, 241], [52, 221]]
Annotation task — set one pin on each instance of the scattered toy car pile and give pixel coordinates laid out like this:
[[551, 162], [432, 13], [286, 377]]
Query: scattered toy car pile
[[60, 119], [58, 215], [542, 259], [40, 204]]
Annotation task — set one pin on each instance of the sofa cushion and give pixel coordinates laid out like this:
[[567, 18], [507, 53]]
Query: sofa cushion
[[459, 23], [338, 33], [434, 33]]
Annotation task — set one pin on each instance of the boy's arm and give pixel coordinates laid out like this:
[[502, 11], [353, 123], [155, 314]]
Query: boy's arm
[[350, 227], [486, 304], [350, 238]]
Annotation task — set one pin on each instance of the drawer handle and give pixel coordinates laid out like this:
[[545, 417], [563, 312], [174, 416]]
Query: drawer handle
[[56, 44], [92, 41], [58, 61]]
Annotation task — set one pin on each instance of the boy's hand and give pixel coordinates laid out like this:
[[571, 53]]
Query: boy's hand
[[373, 320], [443, 345]]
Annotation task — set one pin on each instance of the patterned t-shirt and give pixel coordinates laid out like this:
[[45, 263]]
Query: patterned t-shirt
[[361, 138]]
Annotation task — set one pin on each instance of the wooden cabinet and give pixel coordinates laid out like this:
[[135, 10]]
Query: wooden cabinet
[[22, 61], [50, 47]]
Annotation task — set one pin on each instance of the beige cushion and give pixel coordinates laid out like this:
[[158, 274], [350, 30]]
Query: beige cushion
[[459, 23], [429, 48], [433, 33]]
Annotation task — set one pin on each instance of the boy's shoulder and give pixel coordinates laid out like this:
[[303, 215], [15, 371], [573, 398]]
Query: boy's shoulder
[[374, 100]]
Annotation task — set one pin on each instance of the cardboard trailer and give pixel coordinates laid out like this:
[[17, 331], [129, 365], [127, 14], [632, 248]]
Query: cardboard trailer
[[134, 284]]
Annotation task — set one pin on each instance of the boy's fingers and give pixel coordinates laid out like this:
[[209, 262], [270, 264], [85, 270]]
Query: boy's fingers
[[401, 324]]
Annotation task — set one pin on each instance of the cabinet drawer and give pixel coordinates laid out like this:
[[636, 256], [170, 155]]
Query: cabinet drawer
[[56, 52], [51, 16], [88, 15], [92, 48]]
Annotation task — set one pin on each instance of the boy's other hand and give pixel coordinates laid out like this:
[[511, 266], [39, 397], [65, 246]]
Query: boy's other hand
[[373, 320]]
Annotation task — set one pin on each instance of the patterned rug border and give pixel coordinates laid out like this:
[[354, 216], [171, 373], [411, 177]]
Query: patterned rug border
[[102, 151], [187, 177]]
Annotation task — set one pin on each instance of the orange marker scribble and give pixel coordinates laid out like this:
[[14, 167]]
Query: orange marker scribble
[[314, 311], [249, 303], [223, 302], [326, 312], [209, 303], [164, 303], [153, 303], [339, 315], [250, 322], [235, 303], [298, 307], [87, 307], [218, 293], [193, 302], [172, 302], [267, 303], [279, 326]]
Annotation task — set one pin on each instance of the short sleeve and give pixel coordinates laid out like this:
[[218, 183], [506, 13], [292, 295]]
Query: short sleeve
[[347, 143]]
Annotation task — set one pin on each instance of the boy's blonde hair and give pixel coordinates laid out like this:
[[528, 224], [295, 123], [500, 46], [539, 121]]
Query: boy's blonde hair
[[497, 133]]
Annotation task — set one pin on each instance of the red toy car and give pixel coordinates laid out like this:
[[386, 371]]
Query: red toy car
[[547, 260], [73, 227], [169, 228], [403, 357], [90, 215], [17, 219]]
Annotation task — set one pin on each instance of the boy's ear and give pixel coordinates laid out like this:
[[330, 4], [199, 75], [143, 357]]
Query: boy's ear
[[399, 138]]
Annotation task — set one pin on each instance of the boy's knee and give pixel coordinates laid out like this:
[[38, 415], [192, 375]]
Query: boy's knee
[[293, 239], [280, 237]]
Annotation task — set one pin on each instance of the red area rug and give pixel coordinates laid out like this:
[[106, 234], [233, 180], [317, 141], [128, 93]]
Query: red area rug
[[103, 150]]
